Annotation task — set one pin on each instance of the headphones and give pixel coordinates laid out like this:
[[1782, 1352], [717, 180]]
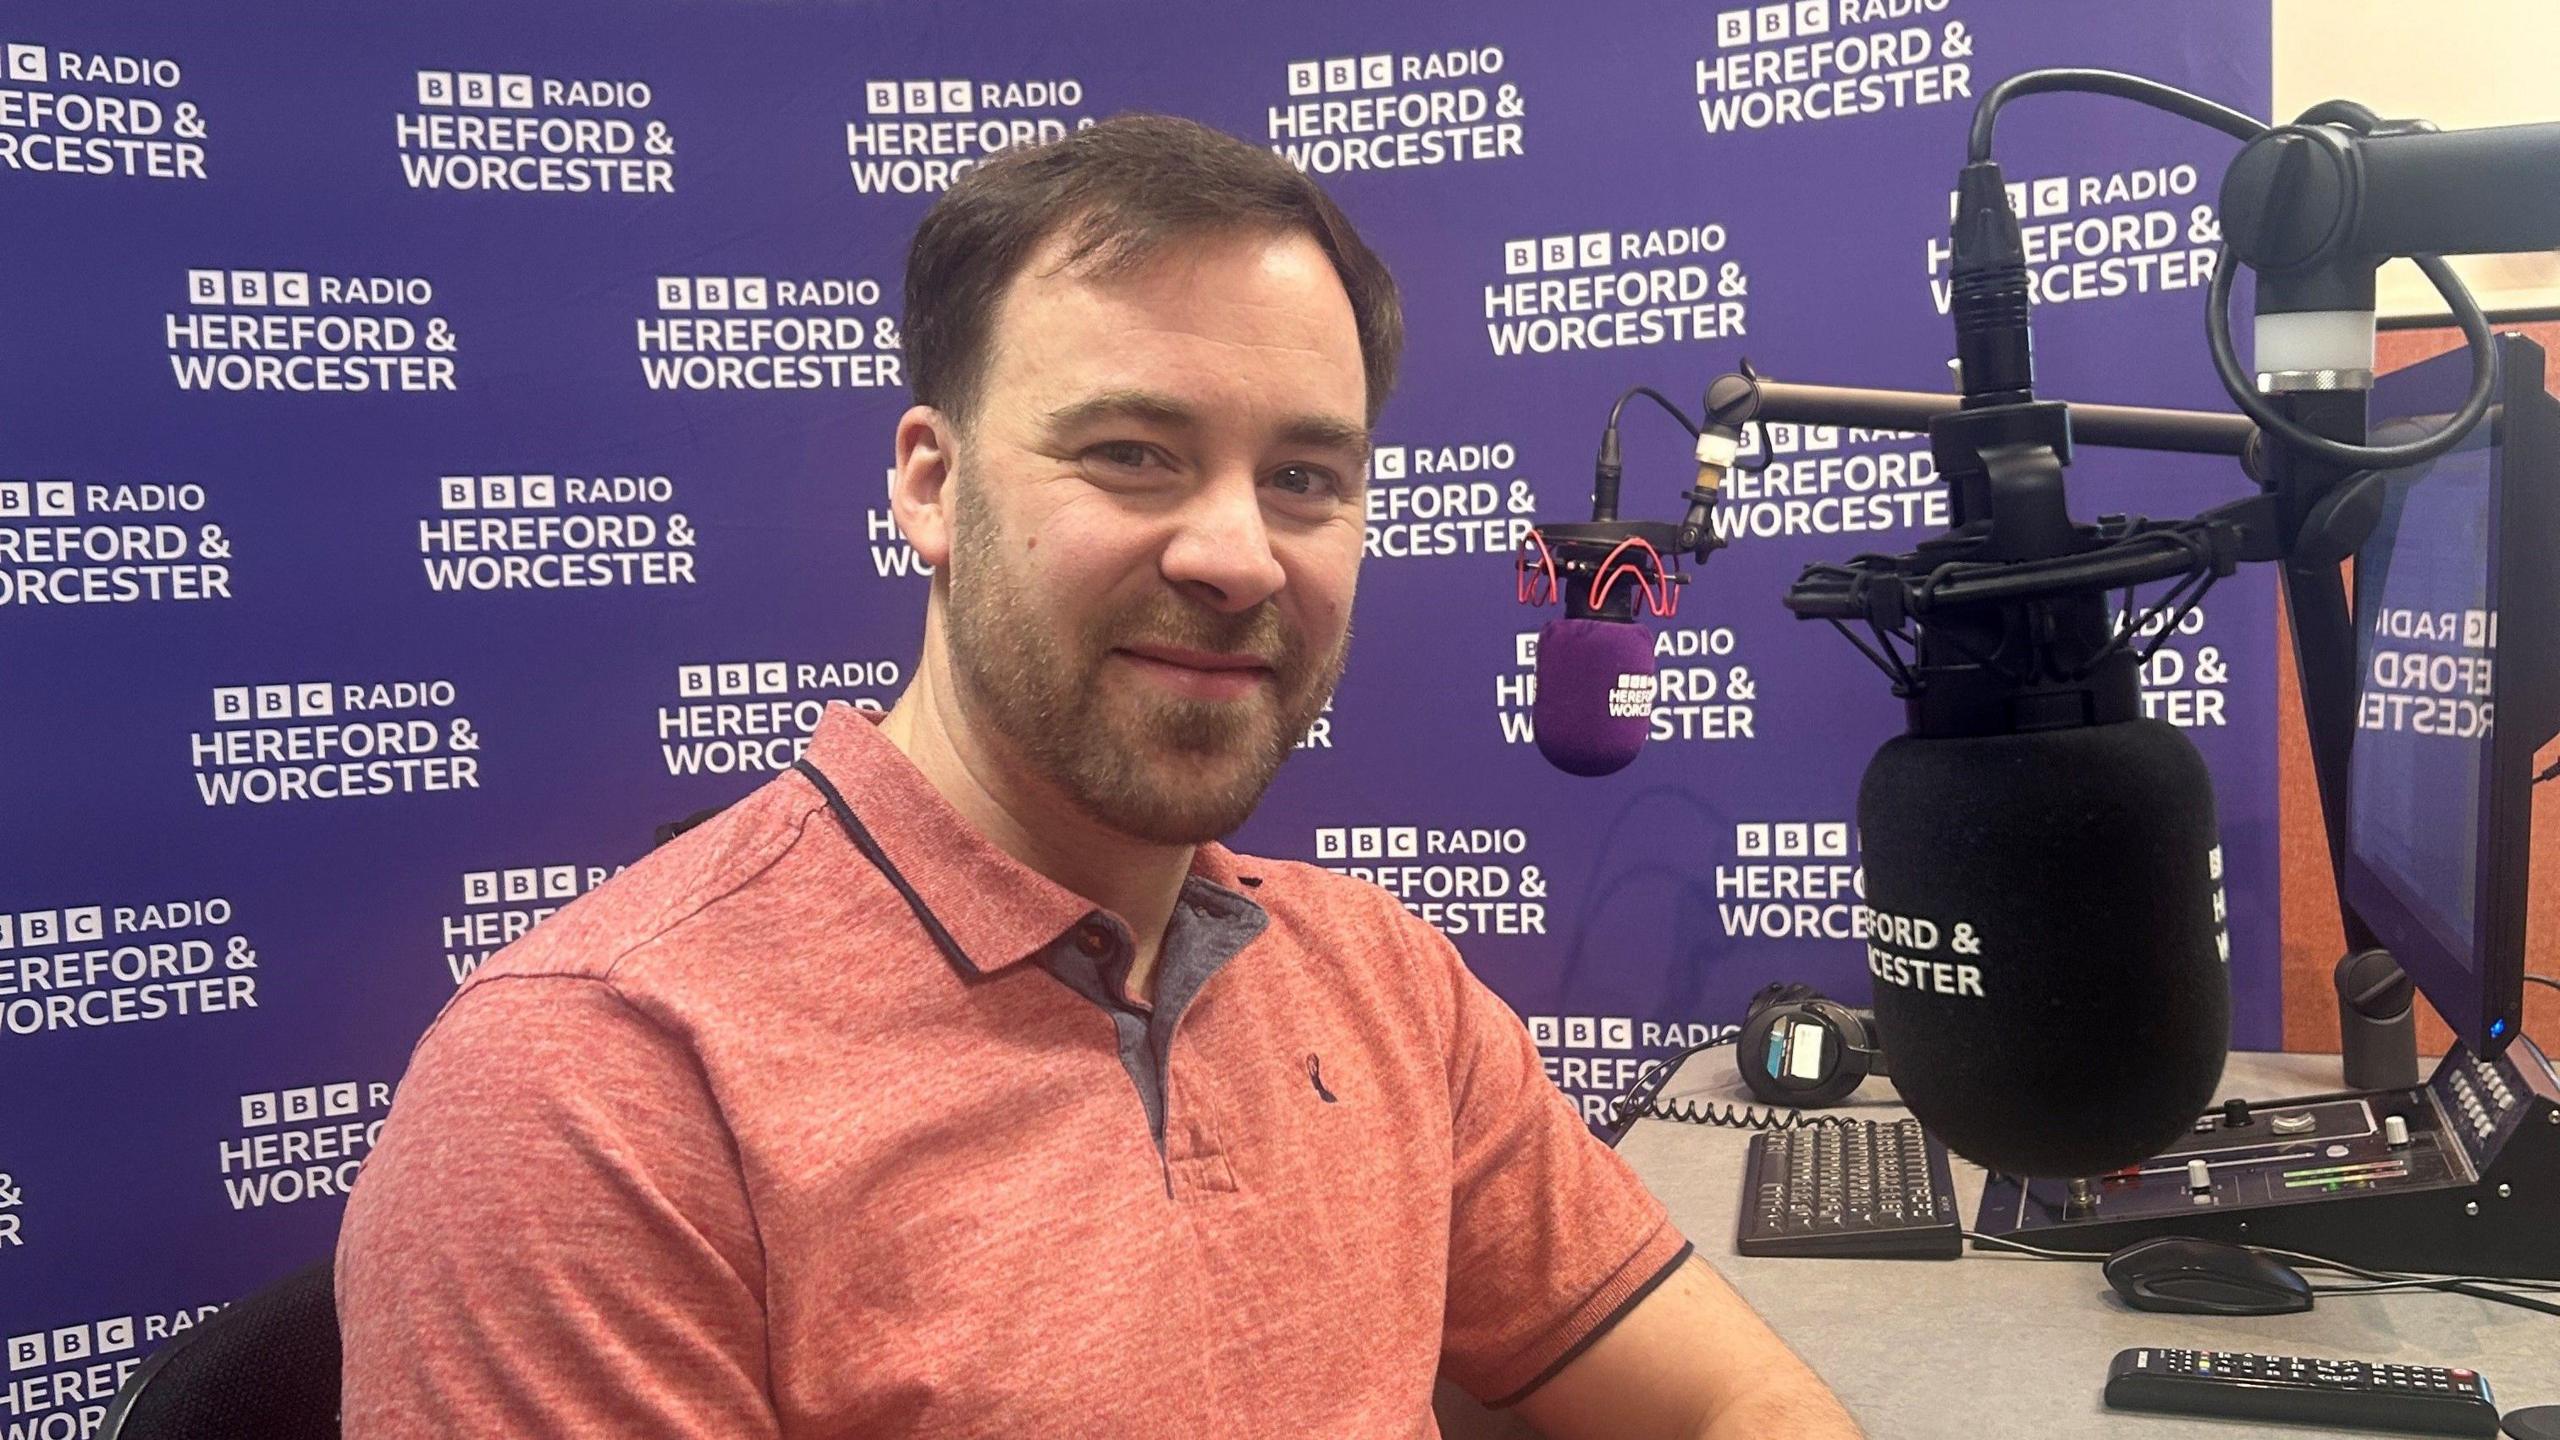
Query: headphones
[[1800, 1049]]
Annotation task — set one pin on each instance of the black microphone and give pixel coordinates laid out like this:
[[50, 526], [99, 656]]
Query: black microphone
[[2046, 921], [2047, 941]]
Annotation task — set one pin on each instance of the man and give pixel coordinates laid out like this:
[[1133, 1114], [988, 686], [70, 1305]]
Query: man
[[959, 1083]]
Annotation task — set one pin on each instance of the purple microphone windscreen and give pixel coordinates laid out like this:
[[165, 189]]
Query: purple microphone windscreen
[[1595, 694]]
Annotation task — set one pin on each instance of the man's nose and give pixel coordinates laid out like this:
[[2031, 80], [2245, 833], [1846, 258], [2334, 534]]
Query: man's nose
[[1220, 553]]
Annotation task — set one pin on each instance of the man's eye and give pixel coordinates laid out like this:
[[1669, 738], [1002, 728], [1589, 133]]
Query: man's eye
[[1307, 481], [1122, 454]]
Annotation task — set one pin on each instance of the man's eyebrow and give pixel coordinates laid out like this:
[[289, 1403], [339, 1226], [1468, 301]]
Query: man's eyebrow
[[1143, 405], [1156, 408], [1324, 432]]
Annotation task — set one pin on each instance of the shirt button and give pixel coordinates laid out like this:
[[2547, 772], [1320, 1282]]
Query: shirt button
[[1092, 939]]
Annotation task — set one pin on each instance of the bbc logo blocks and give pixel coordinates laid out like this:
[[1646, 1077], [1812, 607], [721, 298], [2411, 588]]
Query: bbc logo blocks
[[475, 90], [36, 929], [1555, 252], [1768, 24], [1368, 842], [70, 1344], [1582, 1032], [497, 492], [714, 292], [520, 886], [918, 97], [1342, 75], [288, 289], [237, 704], [43, 499], [1792, 840], [300, 1107], [737, 677]]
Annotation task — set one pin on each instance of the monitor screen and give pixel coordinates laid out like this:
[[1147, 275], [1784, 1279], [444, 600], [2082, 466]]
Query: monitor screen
[[2424, 811]]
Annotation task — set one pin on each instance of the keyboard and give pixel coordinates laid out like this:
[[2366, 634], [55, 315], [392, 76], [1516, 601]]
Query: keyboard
[[1868, 1189]]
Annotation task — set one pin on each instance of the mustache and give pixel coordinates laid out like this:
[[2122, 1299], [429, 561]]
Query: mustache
[[1259, 633]]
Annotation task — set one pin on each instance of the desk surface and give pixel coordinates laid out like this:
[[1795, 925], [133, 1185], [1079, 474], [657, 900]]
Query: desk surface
[[1992, 1346]]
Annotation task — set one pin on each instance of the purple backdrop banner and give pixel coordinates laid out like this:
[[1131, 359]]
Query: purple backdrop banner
[[440, 444]]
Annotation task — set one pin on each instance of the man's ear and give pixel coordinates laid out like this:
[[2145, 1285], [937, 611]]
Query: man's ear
[[920, 488]]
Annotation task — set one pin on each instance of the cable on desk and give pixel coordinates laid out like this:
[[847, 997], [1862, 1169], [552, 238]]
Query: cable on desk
[[1642, 1102], [1736, 1117], [2484, 1287]]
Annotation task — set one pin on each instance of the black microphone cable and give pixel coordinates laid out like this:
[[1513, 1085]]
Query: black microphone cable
[[1658, 398], [2226, 360], [1611, 465], [1986, 113], [1642, 1102], [2477, 1286]]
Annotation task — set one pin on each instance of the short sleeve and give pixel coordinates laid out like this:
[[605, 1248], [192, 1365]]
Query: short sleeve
[[1551, 1236], [552, 1236]]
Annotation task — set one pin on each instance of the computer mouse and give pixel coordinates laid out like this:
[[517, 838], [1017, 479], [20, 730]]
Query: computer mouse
[[2541, 1422], [2205, 1277], [2538, 1423]]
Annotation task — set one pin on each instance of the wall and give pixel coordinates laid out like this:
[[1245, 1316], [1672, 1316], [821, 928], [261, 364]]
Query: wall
[[2461, 64], [172, 1140]]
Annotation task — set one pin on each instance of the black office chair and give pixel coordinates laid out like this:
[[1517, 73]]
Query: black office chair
[[263, 1368]]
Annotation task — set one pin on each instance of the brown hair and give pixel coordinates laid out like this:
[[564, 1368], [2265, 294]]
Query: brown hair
[[1122, 190]]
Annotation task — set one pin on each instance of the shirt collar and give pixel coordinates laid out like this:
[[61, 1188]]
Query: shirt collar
[[1000, 911]]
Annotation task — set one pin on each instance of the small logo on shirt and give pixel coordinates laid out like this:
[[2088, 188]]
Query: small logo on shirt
[[1315, 1075]]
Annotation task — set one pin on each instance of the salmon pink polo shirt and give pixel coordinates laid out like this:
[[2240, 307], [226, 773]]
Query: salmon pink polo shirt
[[737, 1145]]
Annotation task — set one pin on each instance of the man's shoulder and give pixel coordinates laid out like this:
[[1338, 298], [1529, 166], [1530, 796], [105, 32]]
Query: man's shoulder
[[723, 864]]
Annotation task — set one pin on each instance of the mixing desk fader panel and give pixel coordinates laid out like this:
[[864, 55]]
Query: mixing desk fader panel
[[2460, 1174]]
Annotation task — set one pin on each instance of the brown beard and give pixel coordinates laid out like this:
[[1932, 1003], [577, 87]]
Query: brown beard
[[1156, 767]]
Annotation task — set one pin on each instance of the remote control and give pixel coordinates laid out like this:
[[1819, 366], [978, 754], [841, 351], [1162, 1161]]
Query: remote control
[[2349, 1394]]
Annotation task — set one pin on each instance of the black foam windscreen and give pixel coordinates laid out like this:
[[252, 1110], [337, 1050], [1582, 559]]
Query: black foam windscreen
[[2048, 940]]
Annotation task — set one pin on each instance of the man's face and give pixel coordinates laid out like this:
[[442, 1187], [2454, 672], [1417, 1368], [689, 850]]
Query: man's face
[[1156, 527]]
